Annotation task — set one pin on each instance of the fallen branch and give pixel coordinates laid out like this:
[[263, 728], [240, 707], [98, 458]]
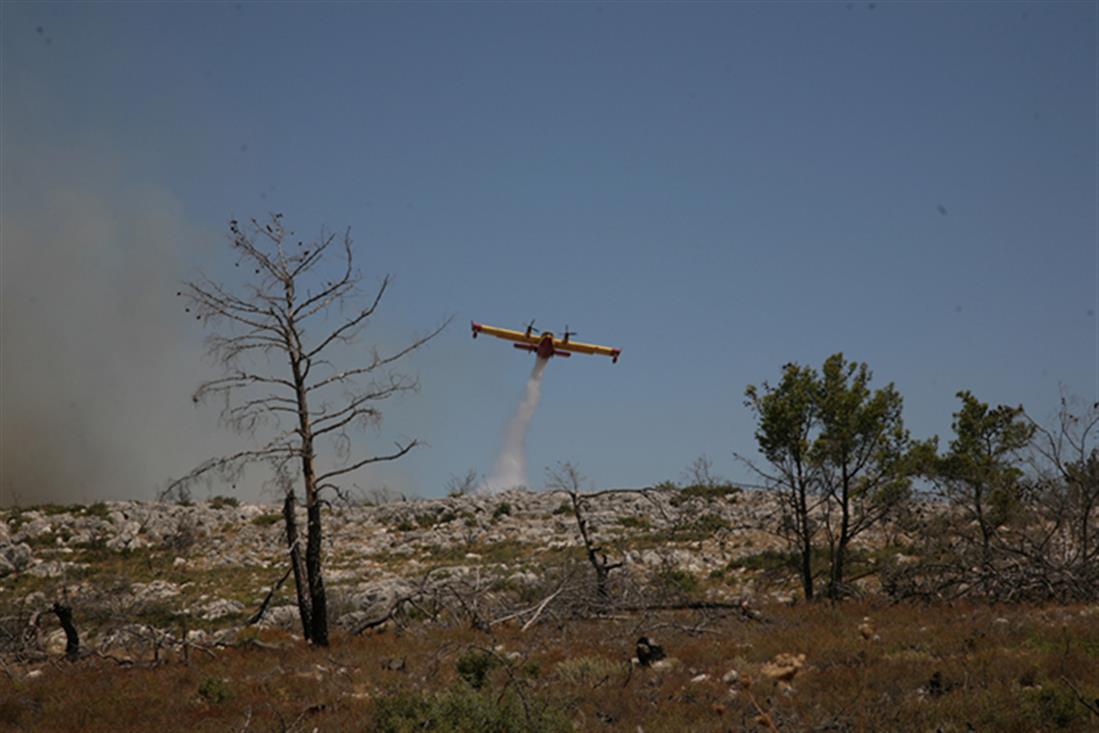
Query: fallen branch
[[541, 607], [536, 608]]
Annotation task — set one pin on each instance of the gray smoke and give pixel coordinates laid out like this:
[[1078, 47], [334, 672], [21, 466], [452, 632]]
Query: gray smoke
[[98, 360], [511, 467]]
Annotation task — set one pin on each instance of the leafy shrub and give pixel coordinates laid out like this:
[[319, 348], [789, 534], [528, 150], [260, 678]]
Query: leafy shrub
[[214, 690], [711, 523], [462, 710], [565, 508], [54, 509], [1056, 706], [473, 667], [98, 509], [502, 509], [677, 581], [586, 670], [768, 560], [266, 520], [635, 522], [709, 492], [221, 502]]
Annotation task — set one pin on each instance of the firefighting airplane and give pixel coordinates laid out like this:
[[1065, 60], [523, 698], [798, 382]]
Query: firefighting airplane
[[546, 344]]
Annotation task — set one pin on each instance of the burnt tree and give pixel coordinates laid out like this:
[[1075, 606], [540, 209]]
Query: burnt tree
[[567, 479], [282, 334]]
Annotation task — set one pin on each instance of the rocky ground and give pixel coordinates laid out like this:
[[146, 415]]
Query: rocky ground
[[209, 565], [162, 595]]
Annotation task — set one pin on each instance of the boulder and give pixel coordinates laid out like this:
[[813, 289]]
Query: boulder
[[17, 556], [48, 569]]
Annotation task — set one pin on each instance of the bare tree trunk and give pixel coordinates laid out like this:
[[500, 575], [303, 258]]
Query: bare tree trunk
[[805, 534], [316, 579], [806, 560], [298, 566], [839, 556], [598, 560], [319, 611]]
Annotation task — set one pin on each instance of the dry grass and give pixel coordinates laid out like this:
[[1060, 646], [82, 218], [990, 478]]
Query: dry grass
[[906, 668]]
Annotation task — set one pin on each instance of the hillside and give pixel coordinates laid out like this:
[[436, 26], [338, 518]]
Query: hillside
[[481, 608]]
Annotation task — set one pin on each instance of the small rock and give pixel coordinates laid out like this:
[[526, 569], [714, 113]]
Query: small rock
[[784, 667], [699, 678], [56, 642], [221, 608], [730, 677]]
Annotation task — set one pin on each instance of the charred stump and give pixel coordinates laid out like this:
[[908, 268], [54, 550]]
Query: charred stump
[[72, 638]]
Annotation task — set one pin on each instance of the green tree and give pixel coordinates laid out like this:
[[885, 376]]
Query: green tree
[[786, 423], [862, 457], [981, 474], [838, 456]]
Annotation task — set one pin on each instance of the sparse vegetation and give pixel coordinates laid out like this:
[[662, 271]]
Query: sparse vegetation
[[222, 502], [266, 520], [1015, 669]]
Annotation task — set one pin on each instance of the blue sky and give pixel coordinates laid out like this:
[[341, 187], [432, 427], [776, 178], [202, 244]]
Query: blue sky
[[715, 188]]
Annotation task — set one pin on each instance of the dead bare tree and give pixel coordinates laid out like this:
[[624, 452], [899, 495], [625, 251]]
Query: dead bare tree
[[701, 473], [463, 485], [279, 337], [1066, 464], [567, 478]]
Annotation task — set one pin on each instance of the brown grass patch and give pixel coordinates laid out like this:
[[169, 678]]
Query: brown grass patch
[[924, 668]]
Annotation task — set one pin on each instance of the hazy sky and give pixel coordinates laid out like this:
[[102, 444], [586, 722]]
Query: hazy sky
[[715, 188]]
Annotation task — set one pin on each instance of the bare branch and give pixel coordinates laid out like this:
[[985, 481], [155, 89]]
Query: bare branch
[[347, 329], [380, 361], [401, 450]]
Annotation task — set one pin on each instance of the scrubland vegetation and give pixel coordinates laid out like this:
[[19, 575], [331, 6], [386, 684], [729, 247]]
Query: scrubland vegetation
[[867, 666]]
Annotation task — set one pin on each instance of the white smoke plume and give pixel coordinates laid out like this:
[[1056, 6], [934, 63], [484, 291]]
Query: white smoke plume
[[511, 467]]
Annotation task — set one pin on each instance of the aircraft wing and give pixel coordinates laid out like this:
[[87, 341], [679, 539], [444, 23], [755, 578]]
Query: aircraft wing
[[582, 348], [505, 333]]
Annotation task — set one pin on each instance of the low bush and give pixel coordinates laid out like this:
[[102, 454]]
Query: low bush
[[474, 667], [214, 690], [462, 710]]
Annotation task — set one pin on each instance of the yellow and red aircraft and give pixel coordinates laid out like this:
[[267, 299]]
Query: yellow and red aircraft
[[545, 344]]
